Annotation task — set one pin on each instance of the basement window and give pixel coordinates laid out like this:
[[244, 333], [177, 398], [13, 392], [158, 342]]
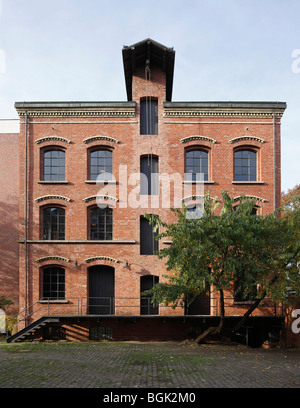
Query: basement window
[[101, 333]]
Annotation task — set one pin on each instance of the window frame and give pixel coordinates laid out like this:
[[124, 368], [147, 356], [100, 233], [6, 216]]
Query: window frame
[[150, 245], [89, 162], [246, 149], [42, 224], [153, 183], [194, 148], [43, 152], [58, 280], [105, 232], [145, 128]]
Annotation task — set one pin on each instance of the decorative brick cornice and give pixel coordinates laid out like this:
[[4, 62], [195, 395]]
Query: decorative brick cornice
[[224, 109], [52, 138], [95, 138], [262, 200], [52, 258], [79, 109], [52, 197], [104, 197], [100, 258], [219, 113], [243, 138], [196, 137]]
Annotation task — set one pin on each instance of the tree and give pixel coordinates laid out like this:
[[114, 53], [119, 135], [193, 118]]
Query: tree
[[4, 302], [218, 248]]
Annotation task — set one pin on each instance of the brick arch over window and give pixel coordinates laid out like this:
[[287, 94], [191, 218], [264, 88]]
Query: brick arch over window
[[53, 163]]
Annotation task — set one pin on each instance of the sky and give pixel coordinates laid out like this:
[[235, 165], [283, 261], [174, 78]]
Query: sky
[[226, 50]]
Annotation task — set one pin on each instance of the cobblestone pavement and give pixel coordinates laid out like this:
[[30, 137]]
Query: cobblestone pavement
[[146, 365]]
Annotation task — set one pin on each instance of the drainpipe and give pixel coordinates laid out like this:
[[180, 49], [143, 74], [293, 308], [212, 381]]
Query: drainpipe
[[25, 217], [274, 152]]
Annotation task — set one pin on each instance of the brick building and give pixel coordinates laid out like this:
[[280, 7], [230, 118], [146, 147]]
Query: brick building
[[9, 207], [86, 253]]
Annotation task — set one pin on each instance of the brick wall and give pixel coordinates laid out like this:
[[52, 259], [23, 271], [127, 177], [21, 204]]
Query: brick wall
[[9, 221]]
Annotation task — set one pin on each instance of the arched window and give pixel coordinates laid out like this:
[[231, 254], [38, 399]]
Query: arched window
[[54, 282], [53, 223], [101, 223], [245, 165], [100, 163], [54, 165], [196, 164]]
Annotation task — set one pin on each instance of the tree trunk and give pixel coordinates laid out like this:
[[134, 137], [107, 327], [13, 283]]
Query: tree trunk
[[248, 313], [214, 330]]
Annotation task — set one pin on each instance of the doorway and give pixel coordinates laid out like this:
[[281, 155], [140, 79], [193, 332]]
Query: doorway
[[101, 290]]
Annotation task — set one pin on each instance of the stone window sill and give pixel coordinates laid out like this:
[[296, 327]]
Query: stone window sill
[[53, 182], [247, 182]]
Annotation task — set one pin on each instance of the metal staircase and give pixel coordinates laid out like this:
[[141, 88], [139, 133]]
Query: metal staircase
[[25, 333]]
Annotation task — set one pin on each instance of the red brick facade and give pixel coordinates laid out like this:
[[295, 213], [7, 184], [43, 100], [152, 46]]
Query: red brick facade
[[218, 128], [9, 207]]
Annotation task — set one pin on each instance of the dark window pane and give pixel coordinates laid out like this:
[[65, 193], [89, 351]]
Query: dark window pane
[[54, 223], [54, 165], [101, 224], [100, 162], [148, 243], [245, 165], [149, 184], [149, 117], [196, 165], [54, 283]]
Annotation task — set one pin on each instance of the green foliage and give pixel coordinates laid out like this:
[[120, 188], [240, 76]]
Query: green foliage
[[228, 244], [4, 302]]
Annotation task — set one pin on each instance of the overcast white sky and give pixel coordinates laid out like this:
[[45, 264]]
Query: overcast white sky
[[226, 50]]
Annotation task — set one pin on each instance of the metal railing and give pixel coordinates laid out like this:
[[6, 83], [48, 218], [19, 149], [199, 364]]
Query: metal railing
[[84, 306]]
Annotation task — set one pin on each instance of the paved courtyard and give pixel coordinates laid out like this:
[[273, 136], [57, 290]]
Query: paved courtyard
[[146, 365]]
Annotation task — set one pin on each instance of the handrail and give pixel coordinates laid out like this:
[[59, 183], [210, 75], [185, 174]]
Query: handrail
[[110, 303]]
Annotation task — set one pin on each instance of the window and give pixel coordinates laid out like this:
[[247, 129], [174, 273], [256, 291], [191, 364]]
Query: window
[[196, 163], [54, 165], [53, 223], [147, 283], [149, 117], [148, 243], [240, 295], [100, 163], [245, 165], [101, 223], [149, 168], [54, 283]]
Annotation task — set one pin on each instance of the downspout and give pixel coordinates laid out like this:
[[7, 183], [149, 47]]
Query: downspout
[[274, 152], [25, 218]]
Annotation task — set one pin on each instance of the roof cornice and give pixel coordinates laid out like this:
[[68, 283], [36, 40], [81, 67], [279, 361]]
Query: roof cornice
[[84, 109], [223, 109]]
